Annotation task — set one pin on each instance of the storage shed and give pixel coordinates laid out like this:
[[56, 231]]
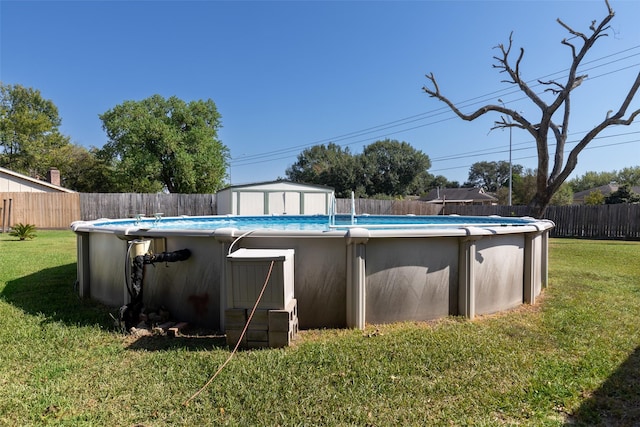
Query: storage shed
[[275, 198]]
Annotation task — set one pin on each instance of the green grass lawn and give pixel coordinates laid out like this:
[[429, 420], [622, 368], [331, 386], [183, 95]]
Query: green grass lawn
[[574, 358]]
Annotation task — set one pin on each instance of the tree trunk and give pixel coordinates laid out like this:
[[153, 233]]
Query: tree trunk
[[539, 204]]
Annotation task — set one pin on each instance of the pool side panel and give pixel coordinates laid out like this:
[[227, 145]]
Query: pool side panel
[[189, 289], [106, 268], [411, 279], [499, 272]]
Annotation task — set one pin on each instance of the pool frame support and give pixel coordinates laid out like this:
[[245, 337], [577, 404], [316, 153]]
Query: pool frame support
[[531, 244], [83, 277], [466, 276], [356, 277]]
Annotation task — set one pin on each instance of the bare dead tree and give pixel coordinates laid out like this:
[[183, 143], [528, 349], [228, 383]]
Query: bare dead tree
[[547, 183]]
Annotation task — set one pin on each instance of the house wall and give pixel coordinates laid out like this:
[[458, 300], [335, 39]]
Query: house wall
[[11, 184]]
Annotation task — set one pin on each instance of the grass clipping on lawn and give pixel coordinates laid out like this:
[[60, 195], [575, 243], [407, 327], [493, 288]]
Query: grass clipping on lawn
[[574, 357]]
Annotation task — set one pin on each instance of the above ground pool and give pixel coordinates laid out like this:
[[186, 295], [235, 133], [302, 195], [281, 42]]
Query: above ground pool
[[309, 222], [346, 270]]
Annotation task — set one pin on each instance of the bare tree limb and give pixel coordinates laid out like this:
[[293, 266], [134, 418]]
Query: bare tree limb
[[572, 31], [616, 119], [518, 120], [552, 90], [547, 184], [514, 74]]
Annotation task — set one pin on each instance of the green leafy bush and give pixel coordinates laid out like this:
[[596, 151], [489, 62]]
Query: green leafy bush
[[23, 231]]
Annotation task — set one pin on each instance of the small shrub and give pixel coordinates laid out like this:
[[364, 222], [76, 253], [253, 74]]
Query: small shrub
[[23, 231]]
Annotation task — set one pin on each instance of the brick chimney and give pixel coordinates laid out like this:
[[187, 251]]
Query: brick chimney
[[53, 176]]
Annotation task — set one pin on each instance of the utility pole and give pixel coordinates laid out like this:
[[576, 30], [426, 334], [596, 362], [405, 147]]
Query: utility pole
[[510, 165]]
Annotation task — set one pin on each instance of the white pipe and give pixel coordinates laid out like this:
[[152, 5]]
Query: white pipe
[[353, 207]]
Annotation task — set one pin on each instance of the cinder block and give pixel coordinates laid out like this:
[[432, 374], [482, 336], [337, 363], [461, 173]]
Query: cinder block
[[260, 320], [235, 318], [280, 339], [268, 328], [253, 335], [233, 335], [279, 320]]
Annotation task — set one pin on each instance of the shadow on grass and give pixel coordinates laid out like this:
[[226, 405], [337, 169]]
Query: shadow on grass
[[190, 342], [51, 292], [617, 401]]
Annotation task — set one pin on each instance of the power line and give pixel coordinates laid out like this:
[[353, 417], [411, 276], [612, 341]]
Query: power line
[[279, 154], [530, 146], [589, 147]]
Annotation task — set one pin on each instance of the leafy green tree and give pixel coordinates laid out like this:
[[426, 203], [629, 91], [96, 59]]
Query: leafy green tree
[[592, 180], [385, 168], [160, 144], [563, 197], [524, 187], [425, 182], [491, 175], [328, 165], [629, 175], [594, 198], [442, 182], [624, 194], [29, 130], [390, 167], [81, 170]]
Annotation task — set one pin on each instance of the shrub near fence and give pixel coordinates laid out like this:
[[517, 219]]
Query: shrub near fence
[[59, 210]]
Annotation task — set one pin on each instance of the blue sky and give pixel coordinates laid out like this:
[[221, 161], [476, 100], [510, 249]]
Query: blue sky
[[289, 75]]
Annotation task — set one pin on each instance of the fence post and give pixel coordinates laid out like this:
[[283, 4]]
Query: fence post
[[4, 209]]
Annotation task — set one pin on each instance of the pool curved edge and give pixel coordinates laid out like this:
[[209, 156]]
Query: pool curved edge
[[342, 278]]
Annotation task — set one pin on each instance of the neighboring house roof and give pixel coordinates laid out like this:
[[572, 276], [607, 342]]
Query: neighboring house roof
[[14, 182], [280, 184], [606, 190], [458, 195]]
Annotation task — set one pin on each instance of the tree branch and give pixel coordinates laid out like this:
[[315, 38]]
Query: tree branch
[[435, 93], [552, 90], [518, 120], [514, 74], [616, 119]]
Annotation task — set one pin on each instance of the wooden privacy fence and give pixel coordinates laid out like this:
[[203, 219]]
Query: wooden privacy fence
[[620, 221], [59, 210], [128, 205], [45, 210], [388, 207]]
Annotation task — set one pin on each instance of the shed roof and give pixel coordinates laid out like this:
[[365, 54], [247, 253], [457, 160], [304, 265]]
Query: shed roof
[[279, 183]]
